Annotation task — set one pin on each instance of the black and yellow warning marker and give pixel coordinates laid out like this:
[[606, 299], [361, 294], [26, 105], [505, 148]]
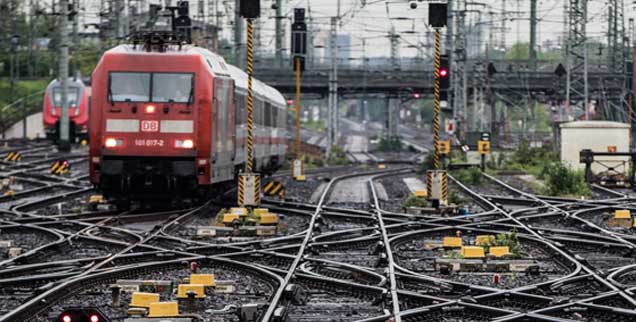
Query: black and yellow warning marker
[[274, 188], [13, 157], [60, 167]]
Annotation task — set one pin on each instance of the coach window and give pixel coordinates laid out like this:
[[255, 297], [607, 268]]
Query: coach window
[[133, 87], [172, 87]]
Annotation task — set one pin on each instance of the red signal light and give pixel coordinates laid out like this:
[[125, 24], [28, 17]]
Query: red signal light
[[417, 96], [443, 72], [290, 102], [66, 318]]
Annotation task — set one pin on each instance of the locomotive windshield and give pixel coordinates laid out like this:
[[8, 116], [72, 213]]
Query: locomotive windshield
[[134, 87], [151, 87], [171, 87], [72, 96]]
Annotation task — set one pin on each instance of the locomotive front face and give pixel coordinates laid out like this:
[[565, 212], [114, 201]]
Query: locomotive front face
[[77, 109], [148, 141]]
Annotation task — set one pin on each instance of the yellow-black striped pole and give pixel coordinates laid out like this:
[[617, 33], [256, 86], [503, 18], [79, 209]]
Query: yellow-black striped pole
[[250, 97], [436, 105], [297, 62]]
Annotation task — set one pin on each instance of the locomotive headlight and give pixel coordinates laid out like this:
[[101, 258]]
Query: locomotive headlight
[[113, 143], [77, 111], [150, 109], [184, 144], [53, 110]]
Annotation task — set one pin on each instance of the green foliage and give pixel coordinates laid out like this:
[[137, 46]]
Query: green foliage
[[390, 144], [16, 112], [426, 165], [471, 176], [456, 198], [531, 160], [511, 240], [563, 181], [522, 51], [452, 254], [338, 156], [415, 201], [318, 126]]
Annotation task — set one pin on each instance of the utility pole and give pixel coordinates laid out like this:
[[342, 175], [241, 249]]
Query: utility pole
[[533, 35], [458, 62], [76, 44], [33, 5], [395, 48], [213, 41], [503, 25], [450, 15], [119, 19], [310, 39], [364, 81], [278, 46], [616, 35], [64, 141], [577, 82], [333, 88], [14, 47]]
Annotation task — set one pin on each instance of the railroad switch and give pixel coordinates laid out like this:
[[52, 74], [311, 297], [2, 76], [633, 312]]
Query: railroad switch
[[452, 242], [96, 199], [244, 221], [163, 309], [499, 251], [197, 289], [13, 157], [622, 218], [145, 286], [473, 252], [140, 299], [207, 280], [248, 312]]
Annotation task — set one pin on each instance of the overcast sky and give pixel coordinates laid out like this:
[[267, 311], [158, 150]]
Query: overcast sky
[[373, 20]]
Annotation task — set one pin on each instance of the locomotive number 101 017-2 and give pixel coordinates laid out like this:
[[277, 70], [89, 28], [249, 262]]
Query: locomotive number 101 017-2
[[149, 142]]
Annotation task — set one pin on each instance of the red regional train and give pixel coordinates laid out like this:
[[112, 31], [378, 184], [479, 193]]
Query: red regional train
[[78, 100], [174, 122]]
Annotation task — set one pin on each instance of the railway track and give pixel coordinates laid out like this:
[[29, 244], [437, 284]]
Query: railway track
[[350, 255]]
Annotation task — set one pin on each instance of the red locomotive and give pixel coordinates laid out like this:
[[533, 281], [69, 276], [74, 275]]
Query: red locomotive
[[78, 102], [172, 122]]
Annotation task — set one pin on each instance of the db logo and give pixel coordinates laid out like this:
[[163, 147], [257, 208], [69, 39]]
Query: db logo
[[149, 126]]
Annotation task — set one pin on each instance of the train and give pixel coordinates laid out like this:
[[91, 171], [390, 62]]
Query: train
[[173, 122], [79, 104]]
